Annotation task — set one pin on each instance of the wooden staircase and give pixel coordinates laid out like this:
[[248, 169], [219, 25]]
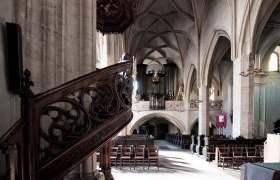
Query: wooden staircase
[[61, 127]]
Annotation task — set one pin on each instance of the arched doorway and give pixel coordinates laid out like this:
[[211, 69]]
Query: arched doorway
[[194, 128], [158, 127], [162, 129]]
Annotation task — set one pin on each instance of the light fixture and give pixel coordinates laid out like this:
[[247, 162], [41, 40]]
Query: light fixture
[[252, 70]]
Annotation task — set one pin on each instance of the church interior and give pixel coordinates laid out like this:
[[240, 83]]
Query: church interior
[[92, 89]]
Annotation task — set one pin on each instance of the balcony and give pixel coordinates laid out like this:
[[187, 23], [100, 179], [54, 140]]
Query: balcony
[[169, 106]]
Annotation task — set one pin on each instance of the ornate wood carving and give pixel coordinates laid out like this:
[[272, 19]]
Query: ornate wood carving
[[71, 121], [64, 125], [114, 16]]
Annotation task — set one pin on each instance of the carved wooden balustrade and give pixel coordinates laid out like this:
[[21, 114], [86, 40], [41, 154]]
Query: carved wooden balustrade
[[67, 123]]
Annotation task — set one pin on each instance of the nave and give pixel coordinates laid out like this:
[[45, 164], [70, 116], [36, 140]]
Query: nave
[[176, 163]]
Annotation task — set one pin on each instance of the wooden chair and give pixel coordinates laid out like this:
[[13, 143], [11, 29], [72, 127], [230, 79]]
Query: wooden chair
[[251, 153], [114, 155], [139, 156], [151, 146], [225, 156], [119, 150], [153, 156], [220, 145], [210, 152], [230, 146], [141, 145], [260, 150], [126, 154], [238, 155]]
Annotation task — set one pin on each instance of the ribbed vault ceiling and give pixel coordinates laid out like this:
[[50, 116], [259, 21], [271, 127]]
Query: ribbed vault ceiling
[[162, 31]]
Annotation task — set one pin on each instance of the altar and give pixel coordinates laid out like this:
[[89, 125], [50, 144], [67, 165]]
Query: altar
[[261, 171]]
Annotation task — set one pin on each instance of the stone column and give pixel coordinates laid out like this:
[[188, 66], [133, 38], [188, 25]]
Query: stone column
[[87, 166], [88, 33], [105, 161], [242, 100], [203, 111], [114, 48]]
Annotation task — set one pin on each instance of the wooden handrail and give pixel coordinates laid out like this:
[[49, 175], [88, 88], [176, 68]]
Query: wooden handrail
[[11, 143], [66, 124], [69, 122], [9, 136]]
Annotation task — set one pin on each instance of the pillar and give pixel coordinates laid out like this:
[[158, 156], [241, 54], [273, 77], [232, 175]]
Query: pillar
[[203, 111], [87, 166], [242, 100]]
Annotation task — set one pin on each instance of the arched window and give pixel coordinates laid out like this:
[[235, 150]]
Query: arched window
[[273, 62]]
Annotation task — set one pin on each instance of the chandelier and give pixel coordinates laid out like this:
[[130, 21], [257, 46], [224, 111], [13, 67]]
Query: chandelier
[[252, 70]]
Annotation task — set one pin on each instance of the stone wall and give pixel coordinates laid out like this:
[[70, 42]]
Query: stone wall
[[9, 111], [58, 39]]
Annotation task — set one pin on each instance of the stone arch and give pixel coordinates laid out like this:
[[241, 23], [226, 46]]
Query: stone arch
[[263, 11], [217, 34], [168, 117], [261, 19], [271, 45]]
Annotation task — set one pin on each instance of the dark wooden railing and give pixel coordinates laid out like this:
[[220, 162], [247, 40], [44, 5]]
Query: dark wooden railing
[[66, 124], [12, 145]]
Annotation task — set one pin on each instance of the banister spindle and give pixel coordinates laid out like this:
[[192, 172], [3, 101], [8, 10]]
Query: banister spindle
[[9, 152]]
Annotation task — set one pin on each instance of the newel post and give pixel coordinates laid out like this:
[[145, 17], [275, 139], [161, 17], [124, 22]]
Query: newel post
[[26, 95], [9, 152]]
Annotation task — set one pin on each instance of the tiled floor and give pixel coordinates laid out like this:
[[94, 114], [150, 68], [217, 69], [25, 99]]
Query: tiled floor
[[176, 164]]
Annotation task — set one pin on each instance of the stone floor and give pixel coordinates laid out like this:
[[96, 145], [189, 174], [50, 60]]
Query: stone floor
[[176, 164]]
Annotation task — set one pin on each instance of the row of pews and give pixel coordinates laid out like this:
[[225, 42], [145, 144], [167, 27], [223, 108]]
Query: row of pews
[[250, 150], [199, 143], [134, 139], [183, 141]]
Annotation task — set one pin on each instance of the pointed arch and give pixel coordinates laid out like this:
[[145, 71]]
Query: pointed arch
[[217, 34], [148, 117]]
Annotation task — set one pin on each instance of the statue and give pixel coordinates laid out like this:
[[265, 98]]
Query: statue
[[180, 91]]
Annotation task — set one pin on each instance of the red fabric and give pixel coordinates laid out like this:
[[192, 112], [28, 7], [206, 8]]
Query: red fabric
[[221, 120]]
